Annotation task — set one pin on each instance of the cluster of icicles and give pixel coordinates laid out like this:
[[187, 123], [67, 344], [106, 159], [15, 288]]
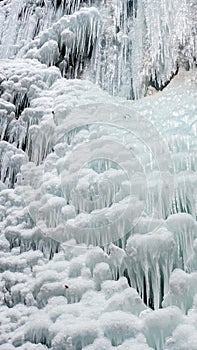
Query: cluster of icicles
[[97, 192], [123, 45], [79, 171]]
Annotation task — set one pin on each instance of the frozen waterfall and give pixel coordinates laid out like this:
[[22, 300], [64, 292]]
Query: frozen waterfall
[[98, 175], [123, 45]]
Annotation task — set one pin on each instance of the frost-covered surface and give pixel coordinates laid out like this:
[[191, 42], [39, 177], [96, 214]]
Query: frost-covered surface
[[98, 195], [95, 175], [123, 45]]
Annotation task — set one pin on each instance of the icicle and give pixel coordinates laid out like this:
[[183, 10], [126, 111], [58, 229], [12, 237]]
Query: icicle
[[149, 264], [184, 230]]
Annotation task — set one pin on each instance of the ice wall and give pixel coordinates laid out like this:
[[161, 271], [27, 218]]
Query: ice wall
[[98, 199], [127, 47], [101, 172]]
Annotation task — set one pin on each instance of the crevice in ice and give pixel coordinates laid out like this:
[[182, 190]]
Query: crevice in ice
[[68, 44], [21, 102], [70, 6], [159, 85]]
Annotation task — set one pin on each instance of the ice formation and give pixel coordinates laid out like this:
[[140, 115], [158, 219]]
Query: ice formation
[[124, 45], [98, 194]]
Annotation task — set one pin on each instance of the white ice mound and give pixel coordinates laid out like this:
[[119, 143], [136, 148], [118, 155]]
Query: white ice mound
[[160, 324], [183, 337], [182, 290]]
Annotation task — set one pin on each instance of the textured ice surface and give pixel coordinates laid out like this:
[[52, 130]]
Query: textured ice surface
[[145, 233], [126, 46], [98, 195]]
